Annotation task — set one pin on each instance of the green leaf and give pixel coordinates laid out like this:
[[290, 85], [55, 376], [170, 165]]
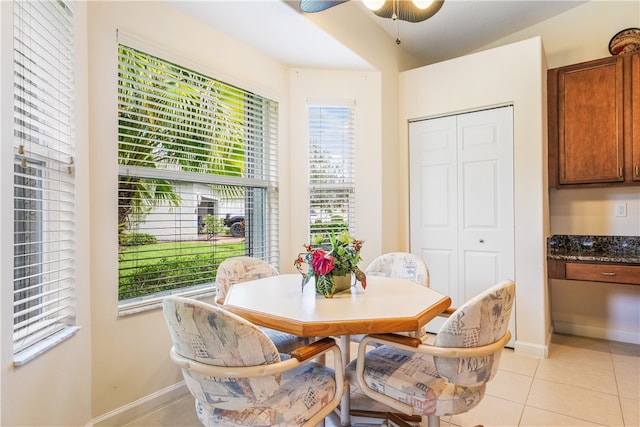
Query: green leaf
[[325, 286]]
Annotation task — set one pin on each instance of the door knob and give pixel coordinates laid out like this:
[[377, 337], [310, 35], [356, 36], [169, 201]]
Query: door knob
[[481, 240]]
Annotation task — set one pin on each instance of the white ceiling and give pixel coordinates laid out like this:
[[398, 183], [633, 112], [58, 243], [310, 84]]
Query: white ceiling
[[284, 33]]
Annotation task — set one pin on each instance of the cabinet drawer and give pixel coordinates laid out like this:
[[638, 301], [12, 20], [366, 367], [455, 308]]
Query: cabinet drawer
[[629, 274]]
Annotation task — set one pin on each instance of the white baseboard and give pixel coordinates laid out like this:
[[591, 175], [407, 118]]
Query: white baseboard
[[534, 350], [140, 407], [596, 332]]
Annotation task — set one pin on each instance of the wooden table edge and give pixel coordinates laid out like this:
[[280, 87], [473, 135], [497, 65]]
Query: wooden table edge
[[346, 327]]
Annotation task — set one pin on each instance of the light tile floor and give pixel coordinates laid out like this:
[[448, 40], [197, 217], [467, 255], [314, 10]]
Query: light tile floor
[[584, 382]]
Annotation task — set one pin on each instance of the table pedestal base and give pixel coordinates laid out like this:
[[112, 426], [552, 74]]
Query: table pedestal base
[[345, 403]]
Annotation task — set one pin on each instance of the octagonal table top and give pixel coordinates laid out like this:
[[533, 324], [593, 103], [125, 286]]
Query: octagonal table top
[[386, 305]]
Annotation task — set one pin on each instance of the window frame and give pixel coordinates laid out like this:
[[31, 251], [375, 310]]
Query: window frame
[[260, 176], [331, 131], [43, 185]]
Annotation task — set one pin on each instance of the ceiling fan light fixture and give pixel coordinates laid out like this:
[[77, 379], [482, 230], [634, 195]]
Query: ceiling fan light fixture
[[373, 4], [403, 10], [422, 4]]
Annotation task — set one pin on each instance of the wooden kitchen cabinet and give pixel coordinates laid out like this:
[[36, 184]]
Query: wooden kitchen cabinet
[[594, 123], [634, 113]]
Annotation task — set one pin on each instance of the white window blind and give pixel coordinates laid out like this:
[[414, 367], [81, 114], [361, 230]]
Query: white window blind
[[331, 169], [192, 150], [44, 205]]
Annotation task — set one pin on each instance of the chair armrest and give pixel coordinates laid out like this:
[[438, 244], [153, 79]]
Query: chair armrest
[[398, 339], [448, 312], [313, 349], [446, 352]]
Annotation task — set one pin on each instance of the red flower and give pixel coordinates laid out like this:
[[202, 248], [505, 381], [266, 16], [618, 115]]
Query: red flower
[[322, 262]]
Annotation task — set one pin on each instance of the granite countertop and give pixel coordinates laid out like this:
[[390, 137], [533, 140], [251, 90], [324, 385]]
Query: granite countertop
[[611, 249]]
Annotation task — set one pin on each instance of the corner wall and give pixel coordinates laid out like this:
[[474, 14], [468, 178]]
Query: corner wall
[[515, 74]]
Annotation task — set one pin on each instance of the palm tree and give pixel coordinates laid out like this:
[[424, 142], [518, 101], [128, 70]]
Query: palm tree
[[169, 116]]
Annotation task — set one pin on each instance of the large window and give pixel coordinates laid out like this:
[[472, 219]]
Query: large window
[[331, 169], [197, 177], [43, 177]]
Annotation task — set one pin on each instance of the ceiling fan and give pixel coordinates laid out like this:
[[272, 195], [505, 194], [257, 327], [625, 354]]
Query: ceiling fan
[[404, 10]]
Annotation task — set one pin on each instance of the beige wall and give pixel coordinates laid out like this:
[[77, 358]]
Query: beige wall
[[587, 308], [581, 34]]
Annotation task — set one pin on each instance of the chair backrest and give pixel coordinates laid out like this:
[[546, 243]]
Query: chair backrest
[[240, 269], [402, 265], [211, 335], [480, 321]]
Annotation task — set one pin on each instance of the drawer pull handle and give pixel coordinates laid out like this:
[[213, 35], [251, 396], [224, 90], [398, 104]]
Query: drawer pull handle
[[604, 273]]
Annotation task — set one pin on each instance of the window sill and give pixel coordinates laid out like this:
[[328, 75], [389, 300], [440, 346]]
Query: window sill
[[41, 347], [139, 305]]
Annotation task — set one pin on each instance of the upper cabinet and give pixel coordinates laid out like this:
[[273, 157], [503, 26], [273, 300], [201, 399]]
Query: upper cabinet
[[633, 162], [594, 123]]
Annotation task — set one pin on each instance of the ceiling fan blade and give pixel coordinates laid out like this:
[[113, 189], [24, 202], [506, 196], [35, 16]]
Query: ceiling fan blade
[[407, 11], [311, 6]]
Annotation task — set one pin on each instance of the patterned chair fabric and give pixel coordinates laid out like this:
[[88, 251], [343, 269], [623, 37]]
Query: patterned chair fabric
[[210, 335], [438, 386], [402, 265], [240, 269], [244, 268]]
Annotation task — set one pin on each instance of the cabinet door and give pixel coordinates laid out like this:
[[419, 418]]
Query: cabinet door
[[590, 107], [635, 114]]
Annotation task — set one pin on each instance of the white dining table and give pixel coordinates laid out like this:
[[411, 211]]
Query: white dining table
[[386, 305]]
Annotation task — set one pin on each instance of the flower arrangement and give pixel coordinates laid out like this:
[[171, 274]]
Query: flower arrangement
[[329, 257]]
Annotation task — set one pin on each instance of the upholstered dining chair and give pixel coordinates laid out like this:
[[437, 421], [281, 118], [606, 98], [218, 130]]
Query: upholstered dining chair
[[237, 375], [446, 378], [241, 269], [401, 265]]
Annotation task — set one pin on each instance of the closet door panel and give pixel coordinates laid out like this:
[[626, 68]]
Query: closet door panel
[[485, 199], [433, 207]]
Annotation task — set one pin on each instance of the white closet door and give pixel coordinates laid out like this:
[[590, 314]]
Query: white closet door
[[461, 201], [433, 196], [485, 199]]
